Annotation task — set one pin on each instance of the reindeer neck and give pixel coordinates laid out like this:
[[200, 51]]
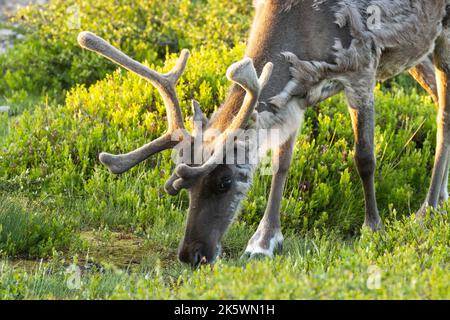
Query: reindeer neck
[[278, 28]]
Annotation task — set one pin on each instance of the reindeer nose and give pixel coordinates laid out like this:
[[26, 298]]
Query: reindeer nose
[[194, 257]]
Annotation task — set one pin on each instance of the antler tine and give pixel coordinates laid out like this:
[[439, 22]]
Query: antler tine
[[118, 164], [244, 74], [166, 85]]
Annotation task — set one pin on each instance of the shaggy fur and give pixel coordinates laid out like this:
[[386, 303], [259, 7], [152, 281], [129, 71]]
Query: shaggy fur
[[392, 47]]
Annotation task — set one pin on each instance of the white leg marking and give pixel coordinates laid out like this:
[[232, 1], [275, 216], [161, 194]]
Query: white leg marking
[[260, 245]]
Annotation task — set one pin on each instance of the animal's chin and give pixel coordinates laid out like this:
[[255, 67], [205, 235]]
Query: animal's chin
[[216, 255]]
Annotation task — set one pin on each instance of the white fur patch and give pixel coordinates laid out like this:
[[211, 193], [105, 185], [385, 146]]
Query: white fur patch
[[255, 247], [286, 122]]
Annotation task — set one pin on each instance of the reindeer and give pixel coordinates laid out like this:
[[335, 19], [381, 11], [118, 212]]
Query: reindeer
[[306, 52]]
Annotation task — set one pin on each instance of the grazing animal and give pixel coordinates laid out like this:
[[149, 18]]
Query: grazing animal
[[306, 51]]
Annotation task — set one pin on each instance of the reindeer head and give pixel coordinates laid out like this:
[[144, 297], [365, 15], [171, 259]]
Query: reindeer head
[[210, 164]]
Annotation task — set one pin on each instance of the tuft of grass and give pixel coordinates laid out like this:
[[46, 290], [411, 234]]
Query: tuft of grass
[[31, 230]]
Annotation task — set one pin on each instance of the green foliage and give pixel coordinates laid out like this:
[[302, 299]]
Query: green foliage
[[407, 261], [54, 151], [30, 230], [4, 125], [53, 190], [49, 61]]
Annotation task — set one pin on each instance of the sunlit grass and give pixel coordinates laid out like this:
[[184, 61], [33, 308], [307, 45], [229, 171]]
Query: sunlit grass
[[61, 210], [407, 261]]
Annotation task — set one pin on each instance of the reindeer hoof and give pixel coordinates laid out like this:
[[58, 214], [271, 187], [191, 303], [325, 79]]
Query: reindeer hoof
[[422, 212], [264, 244], [374, 225], [426, 209]]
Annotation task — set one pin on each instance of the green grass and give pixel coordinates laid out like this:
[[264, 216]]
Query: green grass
[[28, 228], [410, 260], [4, 125], [59, 206]]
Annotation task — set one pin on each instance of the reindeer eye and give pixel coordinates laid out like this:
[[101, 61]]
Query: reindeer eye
[[225, 184]]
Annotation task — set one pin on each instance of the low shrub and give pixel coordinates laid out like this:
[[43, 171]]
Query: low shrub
[[49, 62], [54, 151]]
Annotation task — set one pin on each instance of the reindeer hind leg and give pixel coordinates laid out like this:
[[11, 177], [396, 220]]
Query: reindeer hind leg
[[438, 188], [424, 74]]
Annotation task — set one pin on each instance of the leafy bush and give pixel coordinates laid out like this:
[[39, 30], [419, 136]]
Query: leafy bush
[[54, 151], [49, 61]]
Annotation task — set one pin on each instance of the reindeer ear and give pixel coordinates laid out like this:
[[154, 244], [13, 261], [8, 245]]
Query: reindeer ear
[[199, 120]]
